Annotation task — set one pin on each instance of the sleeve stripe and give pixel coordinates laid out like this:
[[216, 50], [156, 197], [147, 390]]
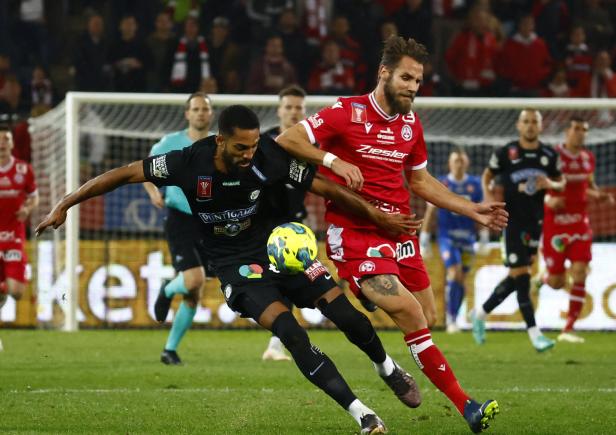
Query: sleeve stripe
[[420, 166], [33, 193], [308, 131]]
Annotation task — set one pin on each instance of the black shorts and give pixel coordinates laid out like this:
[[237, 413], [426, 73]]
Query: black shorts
[[185, 243], [520, 242], [250, 288]]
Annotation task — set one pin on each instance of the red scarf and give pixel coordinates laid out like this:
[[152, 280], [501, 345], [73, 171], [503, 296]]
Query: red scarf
[[178, 73]]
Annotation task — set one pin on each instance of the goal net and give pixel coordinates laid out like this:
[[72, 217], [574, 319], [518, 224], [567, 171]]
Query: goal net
[[116, 246]]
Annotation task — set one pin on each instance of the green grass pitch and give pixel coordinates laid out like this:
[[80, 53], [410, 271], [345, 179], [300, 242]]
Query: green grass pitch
[[111, 382]]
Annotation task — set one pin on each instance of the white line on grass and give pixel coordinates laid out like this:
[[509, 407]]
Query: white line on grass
[[561, 390]]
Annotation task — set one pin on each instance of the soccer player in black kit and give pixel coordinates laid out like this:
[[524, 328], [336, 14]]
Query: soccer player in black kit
[[526, 169], [225, 179]]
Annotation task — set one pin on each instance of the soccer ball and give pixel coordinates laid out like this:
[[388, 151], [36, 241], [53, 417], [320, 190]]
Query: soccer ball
[[292, 247]]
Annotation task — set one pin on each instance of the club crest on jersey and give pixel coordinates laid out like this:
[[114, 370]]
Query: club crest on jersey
[[254, 195], [512, 153], [544, 160], [204, 186], [407, 133], [18, 178], [358, 113]]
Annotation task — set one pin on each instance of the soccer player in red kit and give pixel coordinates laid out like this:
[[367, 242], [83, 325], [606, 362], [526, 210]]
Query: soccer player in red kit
[[367, 142], [566, 228], [18, 197]]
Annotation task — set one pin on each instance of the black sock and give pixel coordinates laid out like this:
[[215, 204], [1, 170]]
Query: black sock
[[313, 363], [500, 293], [522, 285], [355, 326]]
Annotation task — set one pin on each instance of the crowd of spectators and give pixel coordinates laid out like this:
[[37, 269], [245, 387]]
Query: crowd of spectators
[[523, 48]]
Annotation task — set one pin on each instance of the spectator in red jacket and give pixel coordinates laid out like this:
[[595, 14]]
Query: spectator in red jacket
[[331, 76], [578, 59], [602, 83], [525, 61], [558, 86], [471, 55]]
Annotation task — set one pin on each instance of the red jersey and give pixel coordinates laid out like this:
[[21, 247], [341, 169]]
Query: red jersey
[[16, 183], [358, 131], [577, 170]]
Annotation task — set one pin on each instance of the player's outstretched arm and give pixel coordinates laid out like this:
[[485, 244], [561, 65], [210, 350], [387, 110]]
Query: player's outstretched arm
[[349, 200], [491, 214], [296, 142], [110, 180]]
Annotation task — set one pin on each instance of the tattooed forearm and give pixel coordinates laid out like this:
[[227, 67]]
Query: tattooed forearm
[[383, 284]]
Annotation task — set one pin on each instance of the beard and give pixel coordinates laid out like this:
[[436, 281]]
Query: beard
[[401, 106], [233, 165]]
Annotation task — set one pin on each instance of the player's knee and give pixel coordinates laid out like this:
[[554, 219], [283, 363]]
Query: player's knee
[[194, 280], [345, 316], [578, 272], [409, 313], [289, 331], [430, 315], [16, 290], [192, 298], [556, 281]]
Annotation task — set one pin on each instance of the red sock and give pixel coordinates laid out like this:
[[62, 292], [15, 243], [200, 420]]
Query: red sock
[[434, 365], [576, 302]]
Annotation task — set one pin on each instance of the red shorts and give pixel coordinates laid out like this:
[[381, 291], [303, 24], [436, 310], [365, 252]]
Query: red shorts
[[13, 261], [560, 244], [357, 254]]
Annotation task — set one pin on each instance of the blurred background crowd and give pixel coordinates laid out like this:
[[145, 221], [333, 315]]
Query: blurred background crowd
[[520, 48]]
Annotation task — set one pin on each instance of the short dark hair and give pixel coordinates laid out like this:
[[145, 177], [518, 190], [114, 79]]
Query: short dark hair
[[577, 118], [397, 47], [293, 90], [236, 116], [458, 150], [6, 122], [195, 95]]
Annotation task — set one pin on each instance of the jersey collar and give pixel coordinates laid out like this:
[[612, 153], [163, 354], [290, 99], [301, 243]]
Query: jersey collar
[[381, 112], [568, 153], [451, 178], [8, 166]]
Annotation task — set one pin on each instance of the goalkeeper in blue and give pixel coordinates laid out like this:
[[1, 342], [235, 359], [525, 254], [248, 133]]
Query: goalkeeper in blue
[[457, 234], [188, 255]]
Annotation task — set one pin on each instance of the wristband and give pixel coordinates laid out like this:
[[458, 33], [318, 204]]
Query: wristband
[[328, 159]]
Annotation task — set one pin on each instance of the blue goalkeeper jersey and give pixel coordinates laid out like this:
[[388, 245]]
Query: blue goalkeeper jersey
[[174, 197], [452, 225]]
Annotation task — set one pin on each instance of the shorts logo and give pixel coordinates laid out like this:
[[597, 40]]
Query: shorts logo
[[381, 251], [358, 113], [405, 250], [228, 290], [367, 266], [513, 258], [254, 195], [159, 167], [315, 270], [204, 187], [251, 271], [407, 133], [11, 255]]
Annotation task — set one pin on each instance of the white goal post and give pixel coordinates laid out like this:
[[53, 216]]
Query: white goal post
[[458, 121]]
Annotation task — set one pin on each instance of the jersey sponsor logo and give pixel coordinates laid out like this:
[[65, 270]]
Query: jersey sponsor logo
[[5, 182], [358, 113], [251, 271], [386, 136], [367, 266], [512, 153], [382, 251], [407, 133], [298, 170], [11, 255], [405, 250], [368, 127], [371, 152], [159, 167], [204, 187], [576, 177], [11, 193], [227, 215], [567, 218], [7, 236], [315, 120], [234, 183], [315, 270], [526, 173], [231, 229]]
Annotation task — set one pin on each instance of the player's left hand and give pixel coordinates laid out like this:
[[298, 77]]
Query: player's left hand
[[22, 214], [491, 214], [398, 223], [606, 197], [55, 218]]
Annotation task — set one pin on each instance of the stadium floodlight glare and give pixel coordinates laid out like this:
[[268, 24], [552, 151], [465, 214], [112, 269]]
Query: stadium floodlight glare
[[90, 133]]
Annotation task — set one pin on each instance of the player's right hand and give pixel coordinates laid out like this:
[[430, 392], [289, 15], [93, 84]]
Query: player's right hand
[[55, 218], [157, 200], [398, 223], [351, 173]]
